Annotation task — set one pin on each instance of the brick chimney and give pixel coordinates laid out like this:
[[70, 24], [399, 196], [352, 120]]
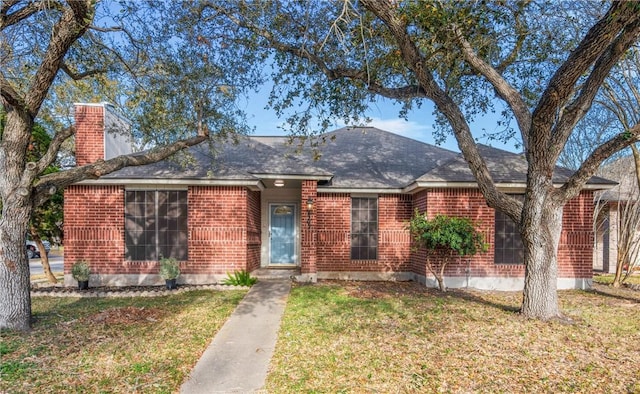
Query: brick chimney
[[100, 133]]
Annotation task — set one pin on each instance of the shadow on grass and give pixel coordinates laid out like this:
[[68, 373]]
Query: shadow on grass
[[414, 289], [475, 296], [622, 294]]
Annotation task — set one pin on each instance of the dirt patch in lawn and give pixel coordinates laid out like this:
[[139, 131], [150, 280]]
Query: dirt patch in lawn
[[381, 290]]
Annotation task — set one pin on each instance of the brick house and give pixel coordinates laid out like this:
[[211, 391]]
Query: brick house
[[255, 206]]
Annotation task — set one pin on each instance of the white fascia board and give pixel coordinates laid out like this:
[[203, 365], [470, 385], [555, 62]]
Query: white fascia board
[[359, 191], [293, 177], [598, 187], [255, 185], [504, 187]]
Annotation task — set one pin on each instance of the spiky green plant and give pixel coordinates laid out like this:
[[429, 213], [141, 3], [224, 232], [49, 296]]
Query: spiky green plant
[[240, 278]]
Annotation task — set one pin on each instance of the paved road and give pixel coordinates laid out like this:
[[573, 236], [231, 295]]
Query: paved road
[[55, 261]]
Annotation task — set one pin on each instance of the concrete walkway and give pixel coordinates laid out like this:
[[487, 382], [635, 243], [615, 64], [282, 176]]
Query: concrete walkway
[[238, 358]]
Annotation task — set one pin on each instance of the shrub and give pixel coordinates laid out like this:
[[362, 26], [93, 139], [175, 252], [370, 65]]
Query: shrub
[[445, 237], [81, 271], [169, 268], [240, 278]]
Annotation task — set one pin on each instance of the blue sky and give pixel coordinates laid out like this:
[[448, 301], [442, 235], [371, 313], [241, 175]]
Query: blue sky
[[384, 115]]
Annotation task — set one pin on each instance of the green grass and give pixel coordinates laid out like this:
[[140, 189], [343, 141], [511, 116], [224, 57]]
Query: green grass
[[116, 345], [607, 279], [403, 338]]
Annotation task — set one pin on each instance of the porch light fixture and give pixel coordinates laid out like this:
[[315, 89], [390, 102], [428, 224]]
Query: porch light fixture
[[278, 183], [309, 210]]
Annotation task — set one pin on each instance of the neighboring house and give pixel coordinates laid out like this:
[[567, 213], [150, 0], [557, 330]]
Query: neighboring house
[[617, 211], [255, 205]]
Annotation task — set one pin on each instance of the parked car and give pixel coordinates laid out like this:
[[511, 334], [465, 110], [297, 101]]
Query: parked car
[[32, 249]]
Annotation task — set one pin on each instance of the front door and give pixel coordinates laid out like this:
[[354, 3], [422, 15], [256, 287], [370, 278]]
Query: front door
[[282, 234]]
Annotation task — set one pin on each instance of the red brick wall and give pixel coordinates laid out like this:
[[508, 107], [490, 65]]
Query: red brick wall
[[253, 230], [94, 227], [575, 256], [334, 234], [333, 231], [309, 225], [89, 123], [224, 230], [471, 204], [217, 230]]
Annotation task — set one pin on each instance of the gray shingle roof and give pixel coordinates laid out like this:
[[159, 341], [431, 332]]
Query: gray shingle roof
[[504, 166], [353, 157], [367, 157]]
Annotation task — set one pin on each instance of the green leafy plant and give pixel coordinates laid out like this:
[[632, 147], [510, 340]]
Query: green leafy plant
[[81, 271], [444, 238], [169, 268], [240, 278]]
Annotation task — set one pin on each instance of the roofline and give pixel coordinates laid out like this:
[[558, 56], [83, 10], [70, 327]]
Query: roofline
[[293, 176], [361, 190], [254, 185], [417, 186]]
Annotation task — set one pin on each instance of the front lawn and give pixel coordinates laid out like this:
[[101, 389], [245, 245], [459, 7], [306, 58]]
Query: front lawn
[[112, 345], [402, 337]]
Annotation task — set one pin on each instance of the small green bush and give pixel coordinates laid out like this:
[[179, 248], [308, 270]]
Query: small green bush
[[81, 271], [445, 238], [169, 268], [240, 278]]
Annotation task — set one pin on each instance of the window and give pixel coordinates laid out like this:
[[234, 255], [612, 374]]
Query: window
[[364, 228], [508, 245], [155, 224]]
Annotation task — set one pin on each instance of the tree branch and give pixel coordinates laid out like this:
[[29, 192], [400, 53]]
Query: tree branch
[[72, 25], [9, 95], [589, 167], [78, 76], [510, 95], [53, 149], [599, 73], [592, 46], [401, 93], [25, 12], [42, 188]]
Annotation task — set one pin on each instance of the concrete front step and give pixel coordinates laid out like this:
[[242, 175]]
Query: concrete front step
[[276, 273]]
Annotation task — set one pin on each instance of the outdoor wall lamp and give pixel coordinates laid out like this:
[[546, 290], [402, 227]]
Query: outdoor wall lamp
[[309, 210]]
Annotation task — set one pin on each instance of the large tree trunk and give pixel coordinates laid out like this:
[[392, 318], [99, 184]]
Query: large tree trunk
[[15, 308], [15, 189], [541, 228]]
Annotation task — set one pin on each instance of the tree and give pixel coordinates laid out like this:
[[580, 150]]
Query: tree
[[445, 238], [464, 57], [55, 53]]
